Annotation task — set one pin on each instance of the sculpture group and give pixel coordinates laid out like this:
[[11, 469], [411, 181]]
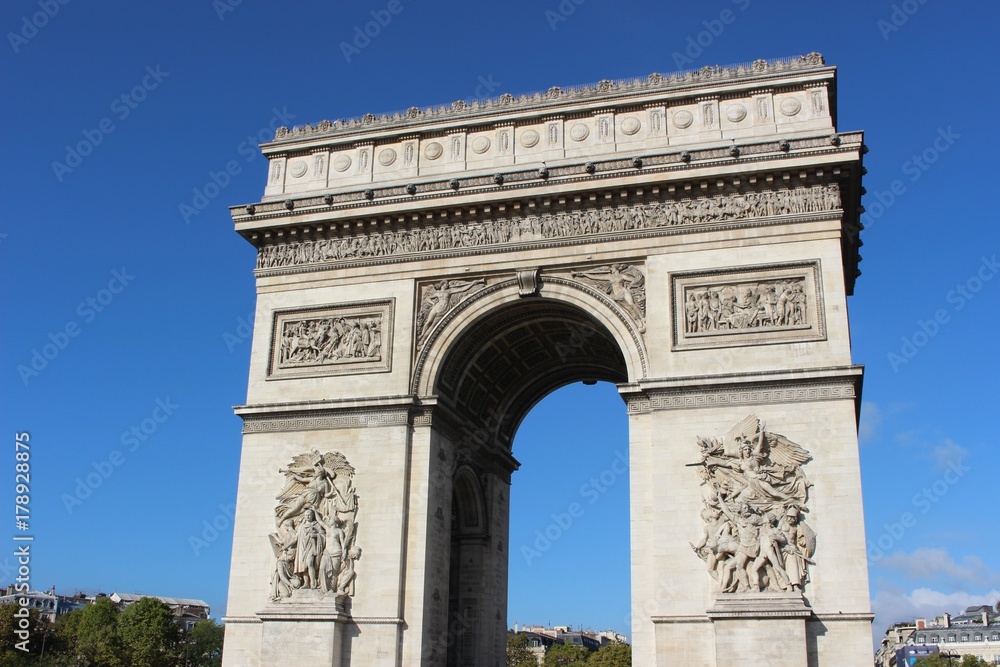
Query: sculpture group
[[561, 224], [330, 340], [754, 538], [314, 545], [776, 304]]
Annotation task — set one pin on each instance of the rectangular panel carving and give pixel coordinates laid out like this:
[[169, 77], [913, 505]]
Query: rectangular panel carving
[[747, 306], [332, 340]]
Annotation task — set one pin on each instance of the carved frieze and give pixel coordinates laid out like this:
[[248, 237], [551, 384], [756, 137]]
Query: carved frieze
[[754, 537], [316, 520], [626, 286], [779, 303], [435, 299], [552, 226], [332, 340]]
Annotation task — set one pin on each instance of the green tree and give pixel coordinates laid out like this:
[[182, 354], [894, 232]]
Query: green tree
[[204, 644], [942, 660], [149, 634], [34, 628], [566, 655], [518, 653], [612, 655], [94, 634]]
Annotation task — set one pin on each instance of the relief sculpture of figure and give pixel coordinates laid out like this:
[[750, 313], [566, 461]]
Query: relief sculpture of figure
[[625, 284], [316, 517], [754, 538], [438, 300]]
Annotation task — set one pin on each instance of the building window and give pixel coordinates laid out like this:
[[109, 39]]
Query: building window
[[934, 639], [978, 637], [951, 638], [995, 638], [965, 638]]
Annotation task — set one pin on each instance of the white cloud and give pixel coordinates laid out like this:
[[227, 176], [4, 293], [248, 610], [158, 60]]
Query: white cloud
[[893, 606], [948, 453], [871, 419], [927, 565]]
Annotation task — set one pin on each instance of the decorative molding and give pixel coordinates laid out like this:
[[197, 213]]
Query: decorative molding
[[460, 109], [731, 397], [658, 620], [338, 339], [366, 419], [752, 305], [528, 282], [227, 620], [849, 616], [506, 230]]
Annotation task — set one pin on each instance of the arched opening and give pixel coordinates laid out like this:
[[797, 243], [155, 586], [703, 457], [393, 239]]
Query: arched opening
[[495, 371], [569, 505]]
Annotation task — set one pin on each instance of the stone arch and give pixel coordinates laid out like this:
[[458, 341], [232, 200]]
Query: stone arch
[[568, 332]]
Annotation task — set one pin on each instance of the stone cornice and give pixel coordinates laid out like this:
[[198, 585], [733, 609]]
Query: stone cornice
[[708, 80], [737, 389], [373, 202], [348, 413]]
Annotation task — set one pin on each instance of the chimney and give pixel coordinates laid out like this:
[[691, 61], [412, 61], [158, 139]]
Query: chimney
[[921, 624], [515, 627], [986, 616], [947, 620]]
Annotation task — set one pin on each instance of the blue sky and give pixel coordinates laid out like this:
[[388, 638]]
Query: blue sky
[[144, 303]]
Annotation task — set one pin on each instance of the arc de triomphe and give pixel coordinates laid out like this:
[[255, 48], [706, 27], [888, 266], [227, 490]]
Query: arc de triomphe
[[425, 278]]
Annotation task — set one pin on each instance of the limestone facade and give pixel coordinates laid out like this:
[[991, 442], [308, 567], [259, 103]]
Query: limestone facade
[[424, 279]]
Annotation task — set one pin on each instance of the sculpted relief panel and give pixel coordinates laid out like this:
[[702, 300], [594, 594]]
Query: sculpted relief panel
[[314, 544], [754, 538], [461, 234], [437, 298], [626, 286], [780, 303], [332, 340]]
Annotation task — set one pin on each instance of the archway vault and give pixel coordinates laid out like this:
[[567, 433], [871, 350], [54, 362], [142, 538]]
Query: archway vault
[[499, 353]]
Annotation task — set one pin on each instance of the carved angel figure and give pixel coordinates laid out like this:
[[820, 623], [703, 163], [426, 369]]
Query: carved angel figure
[[438, 300], [754, 537], [625, 285], [316, 526]]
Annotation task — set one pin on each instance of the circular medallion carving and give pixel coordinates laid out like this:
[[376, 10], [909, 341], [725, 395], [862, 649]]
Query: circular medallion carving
[[433, 150], [298, 168], [790, 106], [736, 112], [579, 132], [683, 119], [386, 157], [342, 163], [480, 145], [529, 138], [631, 125]]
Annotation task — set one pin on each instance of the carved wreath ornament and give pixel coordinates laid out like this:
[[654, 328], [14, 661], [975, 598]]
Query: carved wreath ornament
[[314, 544], [754, 538]]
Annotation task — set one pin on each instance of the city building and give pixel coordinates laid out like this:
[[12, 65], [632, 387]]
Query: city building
[[187, 612], [975, 632]]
